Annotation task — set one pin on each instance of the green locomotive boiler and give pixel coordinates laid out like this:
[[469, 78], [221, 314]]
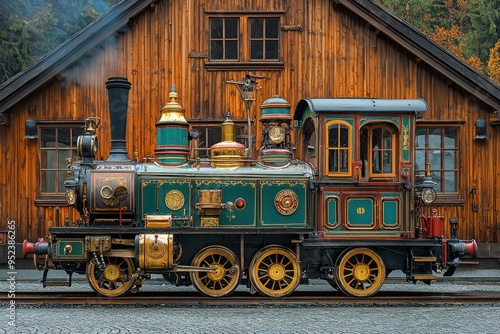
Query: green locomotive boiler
[[341, 203]]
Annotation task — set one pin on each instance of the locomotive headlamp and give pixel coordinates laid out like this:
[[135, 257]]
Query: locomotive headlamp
[[87, 144], [428, 194], [276, 134]]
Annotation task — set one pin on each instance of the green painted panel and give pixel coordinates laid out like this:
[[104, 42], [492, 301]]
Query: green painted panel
[[283, 203], [391, 210], [165, 197], [360, 212], [76, 247], [390, 213], [148, 198], [332, 212], [405, 138]]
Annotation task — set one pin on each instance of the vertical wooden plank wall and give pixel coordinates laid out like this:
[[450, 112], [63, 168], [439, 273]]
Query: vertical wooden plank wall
[[334, 55]]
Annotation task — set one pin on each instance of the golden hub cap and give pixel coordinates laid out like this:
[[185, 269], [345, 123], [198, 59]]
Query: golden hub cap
[[361, 272], [276, 272], [111, 272]]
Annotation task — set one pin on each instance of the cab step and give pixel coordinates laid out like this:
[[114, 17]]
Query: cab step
[[46, 283], [424, 278], [424, 259]]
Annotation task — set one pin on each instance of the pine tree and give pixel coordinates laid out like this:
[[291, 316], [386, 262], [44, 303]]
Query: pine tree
[[29, 29]]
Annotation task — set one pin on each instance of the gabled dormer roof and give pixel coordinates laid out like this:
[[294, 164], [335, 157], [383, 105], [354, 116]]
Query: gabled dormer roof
[[422, 47]]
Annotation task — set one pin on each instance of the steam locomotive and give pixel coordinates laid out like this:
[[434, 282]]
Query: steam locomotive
[[340, 204]]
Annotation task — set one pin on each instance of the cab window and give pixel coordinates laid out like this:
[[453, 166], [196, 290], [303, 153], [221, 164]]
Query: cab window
[[378, 145], [338, 148]]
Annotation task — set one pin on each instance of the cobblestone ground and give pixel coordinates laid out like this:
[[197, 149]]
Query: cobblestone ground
[[451, 319], [258, 319]]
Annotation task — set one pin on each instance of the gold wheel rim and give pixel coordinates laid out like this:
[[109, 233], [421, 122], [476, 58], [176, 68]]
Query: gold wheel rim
[[274, 271], [117, 276], [360, 272], [221, 281]]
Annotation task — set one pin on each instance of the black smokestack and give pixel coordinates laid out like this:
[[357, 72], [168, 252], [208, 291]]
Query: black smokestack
[[118, 100]]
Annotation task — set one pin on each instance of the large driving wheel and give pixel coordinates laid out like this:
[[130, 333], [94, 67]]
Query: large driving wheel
[[360, 272], [221, 281], [274, 271], [116, 278]]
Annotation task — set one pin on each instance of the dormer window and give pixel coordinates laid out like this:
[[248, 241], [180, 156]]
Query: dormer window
[[244, 40]]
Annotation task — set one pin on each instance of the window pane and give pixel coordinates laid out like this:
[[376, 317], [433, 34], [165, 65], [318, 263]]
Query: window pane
[[344, 136], [49, 181], [62, 156], [344, 163], [333, 140], [434, 138], [272, 26], [271, 49], [63, 138], [436, 177], [216, 28], [387, 162], [450, 140], [256, 28], [216, 49], [256, 50], [333, 161], [231, 50], [48, 138], [214, 136], [435, 159], [420, 140], [449, 159], [449, 184], [231, 28], [49, 159], [61, 177]]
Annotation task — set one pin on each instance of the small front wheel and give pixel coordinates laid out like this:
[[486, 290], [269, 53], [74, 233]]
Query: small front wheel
[[114, 279]]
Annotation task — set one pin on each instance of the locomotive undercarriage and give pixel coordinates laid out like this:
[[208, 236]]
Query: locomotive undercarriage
[[272, 265]]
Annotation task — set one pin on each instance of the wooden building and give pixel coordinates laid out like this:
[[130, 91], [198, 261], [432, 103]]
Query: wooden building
[[296, 49]]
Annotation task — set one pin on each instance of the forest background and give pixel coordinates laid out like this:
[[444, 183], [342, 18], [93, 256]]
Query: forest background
[[470, 29]]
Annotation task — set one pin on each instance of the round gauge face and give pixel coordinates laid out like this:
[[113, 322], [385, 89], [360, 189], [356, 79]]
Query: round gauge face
[[276, 134]]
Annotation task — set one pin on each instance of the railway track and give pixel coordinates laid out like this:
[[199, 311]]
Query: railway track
[[146, 298]]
